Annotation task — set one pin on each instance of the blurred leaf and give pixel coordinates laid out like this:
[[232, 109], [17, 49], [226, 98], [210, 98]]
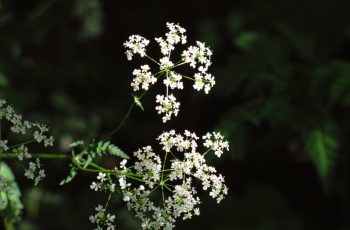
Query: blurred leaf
[[3, 80], [322, 148], [91, 17], [247, 40], [236, 21], [321, 81], [302, 44], [33, 199], [340, 88], [12, 211]]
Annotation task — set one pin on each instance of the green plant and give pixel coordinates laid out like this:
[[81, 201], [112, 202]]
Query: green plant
[[172, 172]]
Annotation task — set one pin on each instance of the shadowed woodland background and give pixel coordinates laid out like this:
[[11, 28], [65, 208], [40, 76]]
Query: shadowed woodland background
[[282, 98]]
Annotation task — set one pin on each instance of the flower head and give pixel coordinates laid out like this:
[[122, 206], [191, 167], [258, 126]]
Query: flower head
[[143, 78], [167, 105], [198, 57], [135, 45], [180, 197]]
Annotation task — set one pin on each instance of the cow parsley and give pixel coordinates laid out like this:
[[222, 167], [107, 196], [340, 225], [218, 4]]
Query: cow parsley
[[198, 57], [177, 183], [39, 134]]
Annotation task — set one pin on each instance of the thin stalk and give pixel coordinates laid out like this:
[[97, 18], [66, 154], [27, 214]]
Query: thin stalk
[[123, 121], [38, 155], [24, 143], [152, 59], [130, 109], [108, 200]]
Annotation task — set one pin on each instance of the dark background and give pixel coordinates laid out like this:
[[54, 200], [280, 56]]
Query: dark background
[[282, 99]]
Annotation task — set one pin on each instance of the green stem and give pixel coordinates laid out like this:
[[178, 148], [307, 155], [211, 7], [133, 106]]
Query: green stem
[[179, 63], [108, 200], [123, 121], [130, 109], [24, 143], [206, 152], [152, 59], [166, 154], [168, 188], [38, 155]]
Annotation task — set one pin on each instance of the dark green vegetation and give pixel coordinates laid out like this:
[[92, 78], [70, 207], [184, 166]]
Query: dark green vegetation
[[282, 97]]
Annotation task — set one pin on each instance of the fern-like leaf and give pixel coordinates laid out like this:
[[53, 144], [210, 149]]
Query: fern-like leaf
[[322, 148]]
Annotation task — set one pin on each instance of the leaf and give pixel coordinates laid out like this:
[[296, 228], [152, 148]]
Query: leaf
[[3, 80], [116, 151], [322, 148], [73, 172], [12, 210], [340, 88], [138, 102], [111, 149], [77, 143], [247, 40]]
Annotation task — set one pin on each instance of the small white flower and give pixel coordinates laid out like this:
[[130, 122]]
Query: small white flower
[[136, 44], [199, 54], [123, 164], [34, 172], [165, 63], [205, 81], [3, 145], [174, 81], [102, 177], [94, 186], [175, 35], [102, 219], [215, 141], [143, 79], [167, 106]]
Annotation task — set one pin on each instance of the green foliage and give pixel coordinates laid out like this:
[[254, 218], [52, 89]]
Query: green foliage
[[322, 148], [91, 16], [247, 40], [279, 76], [84, 153], [10, 202], [72, 173], [3, 80], [99, 148], [340, 88]]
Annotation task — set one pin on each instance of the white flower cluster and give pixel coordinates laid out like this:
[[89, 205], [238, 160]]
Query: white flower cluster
[[179, 194], [103, 184], [22, 152], [3, 145], [136, 45], [167, 105], [143, 77], [174, 36], [34, 172], [215, 141], [20, 126], [102, 220], [198, 57]]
